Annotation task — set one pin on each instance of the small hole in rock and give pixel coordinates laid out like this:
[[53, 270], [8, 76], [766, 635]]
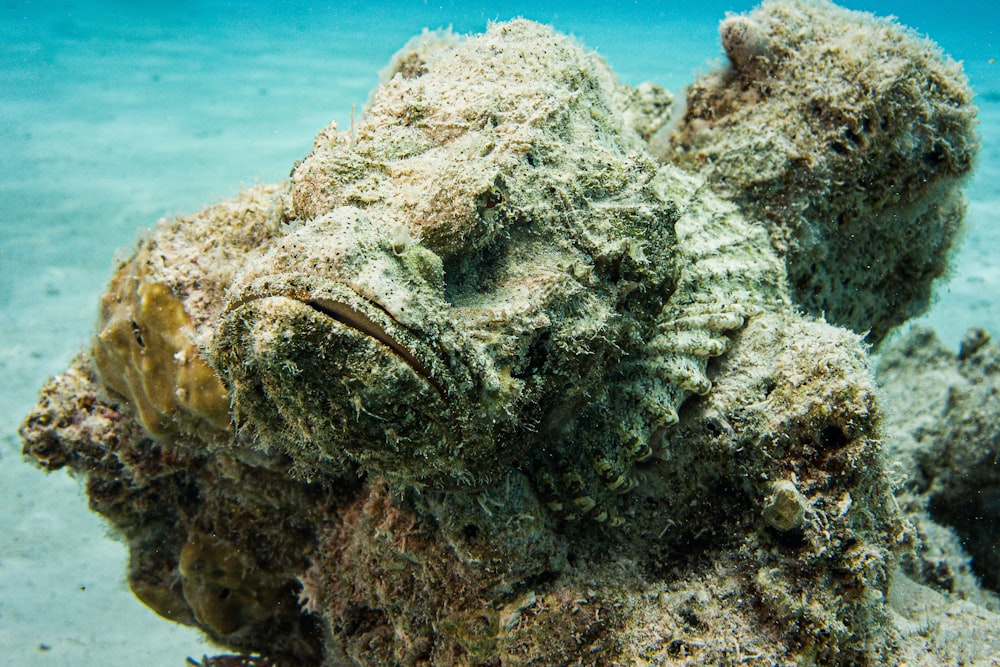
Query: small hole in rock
[[832, 436]]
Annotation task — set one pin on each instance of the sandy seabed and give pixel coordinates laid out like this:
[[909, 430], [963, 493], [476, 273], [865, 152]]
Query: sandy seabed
[[112, 117]]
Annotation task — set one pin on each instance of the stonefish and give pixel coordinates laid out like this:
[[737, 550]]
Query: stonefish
[[487, 268], [350, 417]]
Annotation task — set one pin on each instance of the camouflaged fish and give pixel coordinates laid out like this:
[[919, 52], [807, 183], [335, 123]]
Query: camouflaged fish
[[487, 269]]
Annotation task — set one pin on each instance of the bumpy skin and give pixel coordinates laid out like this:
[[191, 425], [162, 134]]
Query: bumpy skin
[[460, 348], [848, 135], [480, 273], [671, 585]]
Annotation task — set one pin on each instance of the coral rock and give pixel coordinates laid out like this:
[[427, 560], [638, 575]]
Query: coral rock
[[944, 416]]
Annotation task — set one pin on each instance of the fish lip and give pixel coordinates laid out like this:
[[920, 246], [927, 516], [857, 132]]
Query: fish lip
[[322, 297], [355, 319]]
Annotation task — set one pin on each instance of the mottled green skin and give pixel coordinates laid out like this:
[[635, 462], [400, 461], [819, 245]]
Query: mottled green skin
[[494, 234], [698, 571]]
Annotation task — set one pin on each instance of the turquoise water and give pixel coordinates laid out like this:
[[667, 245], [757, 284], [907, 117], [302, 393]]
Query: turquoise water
[[114, 114]]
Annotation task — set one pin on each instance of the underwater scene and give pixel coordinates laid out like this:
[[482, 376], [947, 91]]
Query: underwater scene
[[455, 333]]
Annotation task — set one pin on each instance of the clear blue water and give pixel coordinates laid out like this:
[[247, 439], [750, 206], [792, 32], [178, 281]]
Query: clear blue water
[[114, 114]]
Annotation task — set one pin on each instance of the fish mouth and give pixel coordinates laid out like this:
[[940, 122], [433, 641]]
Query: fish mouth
[[331, 377], [345, 306], [355, 319]]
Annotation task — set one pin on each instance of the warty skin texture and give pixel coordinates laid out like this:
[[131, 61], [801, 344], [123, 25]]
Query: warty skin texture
[[490, 255], [849, 137], [504, 390], [476, 273]]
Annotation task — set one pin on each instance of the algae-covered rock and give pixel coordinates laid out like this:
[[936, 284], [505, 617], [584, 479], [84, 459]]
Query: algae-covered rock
[[486, 384], [947, 435], [942, 409], [848, 135], [144, 352]]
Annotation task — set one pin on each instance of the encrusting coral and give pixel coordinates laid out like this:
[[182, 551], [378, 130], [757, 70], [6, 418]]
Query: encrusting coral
[[158, 313], [486, 384], [144, 353]]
